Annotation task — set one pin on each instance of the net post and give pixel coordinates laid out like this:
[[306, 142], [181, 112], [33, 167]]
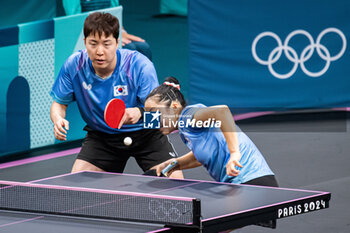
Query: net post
[[197, 213]]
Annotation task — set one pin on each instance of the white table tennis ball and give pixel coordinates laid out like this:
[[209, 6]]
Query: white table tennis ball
[[127, 141]]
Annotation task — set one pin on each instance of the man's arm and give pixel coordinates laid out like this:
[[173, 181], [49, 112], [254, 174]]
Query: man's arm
[[58, 114], [147, 81]]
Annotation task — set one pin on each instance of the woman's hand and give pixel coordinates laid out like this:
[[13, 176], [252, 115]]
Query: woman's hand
[[160, 167], [233, 163]]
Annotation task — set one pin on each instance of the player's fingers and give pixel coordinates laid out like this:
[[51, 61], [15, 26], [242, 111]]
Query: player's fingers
[[66, 124], [135, 38], [159, 168], [163, 165], [228, 170], [230, 173], [59, 135], [60, 128], [61, 138], [122, 121], [168, 174], [58, 131], [135, 120], [235, 172], [131, 120], [231, 170], [234, 169], [132, 116], [158, 171], [238, 164], [125, 41]]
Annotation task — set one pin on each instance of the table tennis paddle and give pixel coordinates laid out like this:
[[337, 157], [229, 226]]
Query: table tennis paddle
[[114, 112], [169, 167], [151, 172]]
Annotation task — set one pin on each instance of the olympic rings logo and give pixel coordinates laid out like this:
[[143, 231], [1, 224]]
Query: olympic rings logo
[[168, 210], [292, 55]]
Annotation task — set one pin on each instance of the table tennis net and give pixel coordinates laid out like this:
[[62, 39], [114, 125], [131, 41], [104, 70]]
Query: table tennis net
[[96, 203]]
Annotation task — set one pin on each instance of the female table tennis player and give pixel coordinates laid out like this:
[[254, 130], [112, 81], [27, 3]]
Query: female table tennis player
[[225, 151]]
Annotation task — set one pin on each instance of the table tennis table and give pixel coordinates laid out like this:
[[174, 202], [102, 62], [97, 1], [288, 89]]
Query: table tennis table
[[218, 206]]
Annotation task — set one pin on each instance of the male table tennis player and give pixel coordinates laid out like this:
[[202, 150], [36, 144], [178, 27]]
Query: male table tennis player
[[94, 76]]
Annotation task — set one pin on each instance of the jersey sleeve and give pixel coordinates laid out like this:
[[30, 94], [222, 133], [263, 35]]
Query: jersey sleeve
[[187, 118], [62, 90]]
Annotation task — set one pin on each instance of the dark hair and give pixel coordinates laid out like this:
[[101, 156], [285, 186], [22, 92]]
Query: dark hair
[[99, 22], [168, 92]]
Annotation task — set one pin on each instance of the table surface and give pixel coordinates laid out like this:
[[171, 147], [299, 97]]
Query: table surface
[[223, 206]]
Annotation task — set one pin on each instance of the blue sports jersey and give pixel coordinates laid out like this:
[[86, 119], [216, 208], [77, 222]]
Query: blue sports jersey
[[133, 79], [210, 149]]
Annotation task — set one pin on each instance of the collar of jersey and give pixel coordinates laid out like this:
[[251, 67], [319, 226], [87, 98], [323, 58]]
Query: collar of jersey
[[115, 69]]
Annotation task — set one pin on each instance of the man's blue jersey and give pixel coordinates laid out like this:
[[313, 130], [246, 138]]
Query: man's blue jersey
[[133, 79], [210, 148]]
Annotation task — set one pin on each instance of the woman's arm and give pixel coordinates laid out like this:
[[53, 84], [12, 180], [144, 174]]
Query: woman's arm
[[228, 127], [186, 161]]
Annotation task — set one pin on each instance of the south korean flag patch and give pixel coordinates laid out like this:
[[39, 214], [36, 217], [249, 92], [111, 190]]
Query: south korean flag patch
[[120, 90]]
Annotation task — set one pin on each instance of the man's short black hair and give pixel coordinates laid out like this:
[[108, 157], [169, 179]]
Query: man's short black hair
[[100, 22]]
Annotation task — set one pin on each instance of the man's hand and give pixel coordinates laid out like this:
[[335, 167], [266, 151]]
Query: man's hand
[[232, 163], [128, 38], [131, 116], [60, 129]]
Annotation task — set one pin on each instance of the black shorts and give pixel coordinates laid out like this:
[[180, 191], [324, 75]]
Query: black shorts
[[269, 180], [107, 151]]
